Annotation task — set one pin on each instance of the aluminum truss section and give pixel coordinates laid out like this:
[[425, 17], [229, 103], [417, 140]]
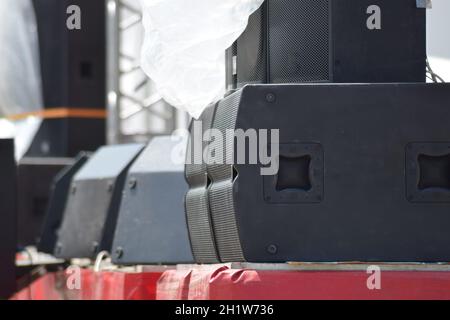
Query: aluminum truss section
[[136, 112]]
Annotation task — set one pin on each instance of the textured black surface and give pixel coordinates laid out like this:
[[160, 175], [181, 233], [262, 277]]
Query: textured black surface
[[151, 227], [72, 61], [67, 137], [396, 53], [371, 136], [196, 203], [92, 209], [298, 41], [59, 193], [8, 219], [250, 51], [298, 35], [73, 72], [220, 192]]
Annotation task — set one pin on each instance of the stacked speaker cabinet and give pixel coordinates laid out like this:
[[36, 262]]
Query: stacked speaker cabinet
[[152, 228], [57, 203], [363, 175], [35, 179], [92, 208], [8, 243], [343, 41], [73, 76]]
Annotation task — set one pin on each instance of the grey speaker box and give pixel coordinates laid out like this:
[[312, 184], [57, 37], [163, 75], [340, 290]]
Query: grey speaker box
[[151, 227], [55, 210], [92, 208]]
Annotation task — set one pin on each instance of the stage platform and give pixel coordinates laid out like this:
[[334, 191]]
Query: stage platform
[[247, 282]]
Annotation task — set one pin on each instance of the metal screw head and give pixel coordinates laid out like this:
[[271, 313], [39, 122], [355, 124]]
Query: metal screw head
[[132, 183], [272, 249], [95, 247], [58, 248], [110, 186], [119, 252], [271, 97]]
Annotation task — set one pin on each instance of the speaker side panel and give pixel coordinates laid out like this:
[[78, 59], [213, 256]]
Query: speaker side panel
[[221, 192], [251, 50], [197, 202], [152, 225], [91, 213], [57, 205]]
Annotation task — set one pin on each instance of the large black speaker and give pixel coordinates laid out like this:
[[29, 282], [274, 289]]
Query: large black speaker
[[151, 227], [92, 208], [72, 61], [363, 174], [73, 75], [344, 41], [8, 219], [35, 179], [57, 203]]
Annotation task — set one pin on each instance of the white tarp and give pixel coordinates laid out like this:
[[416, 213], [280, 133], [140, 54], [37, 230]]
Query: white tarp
[[20, 76], [20, 79], [185, 44], [438, 46]]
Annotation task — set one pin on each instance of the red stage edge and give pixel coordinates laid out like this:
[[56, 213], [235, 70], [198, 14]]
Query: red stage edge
[[251, 282]]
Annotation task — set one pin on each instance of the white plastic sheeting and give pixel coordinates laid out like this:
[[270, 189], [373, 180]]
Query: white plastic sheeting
[[20, 76], [22, 131], [185, 44], [20, 80], [438, 45]]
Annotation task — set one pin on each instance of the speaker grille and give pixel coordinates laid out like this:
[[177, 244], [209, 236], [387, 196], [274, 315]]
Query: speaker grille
[[197, 204], [299, 41], [251, 51], [221, 190]]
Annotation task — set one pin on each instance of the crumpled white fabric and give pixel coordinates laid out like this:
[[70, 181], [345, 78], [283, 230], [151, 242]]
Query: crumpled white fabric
[[185, 44], [20, 76]]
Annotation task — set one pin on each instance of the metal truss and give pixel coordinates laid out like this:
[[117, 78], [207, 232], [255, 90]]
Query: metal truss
[[136, 112]]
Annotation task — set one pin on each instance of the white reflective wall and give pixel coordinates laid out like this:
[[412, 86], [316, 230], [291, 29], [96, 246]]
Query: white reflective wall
[[438, 29]]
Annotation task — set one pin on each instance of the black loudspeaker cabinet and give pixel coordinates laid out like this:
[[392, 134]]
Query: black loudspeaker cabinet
[[67, 137], [196, 203], [363, 175], [59, 193], [35, 178], [73, 72], [72, 61], [8, 218], [151, 227], [297, 41], [92, 208]]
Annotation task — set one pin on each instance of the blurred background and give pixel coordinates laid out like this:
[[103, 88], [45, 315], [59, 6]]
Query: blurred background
[[438, 25]]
